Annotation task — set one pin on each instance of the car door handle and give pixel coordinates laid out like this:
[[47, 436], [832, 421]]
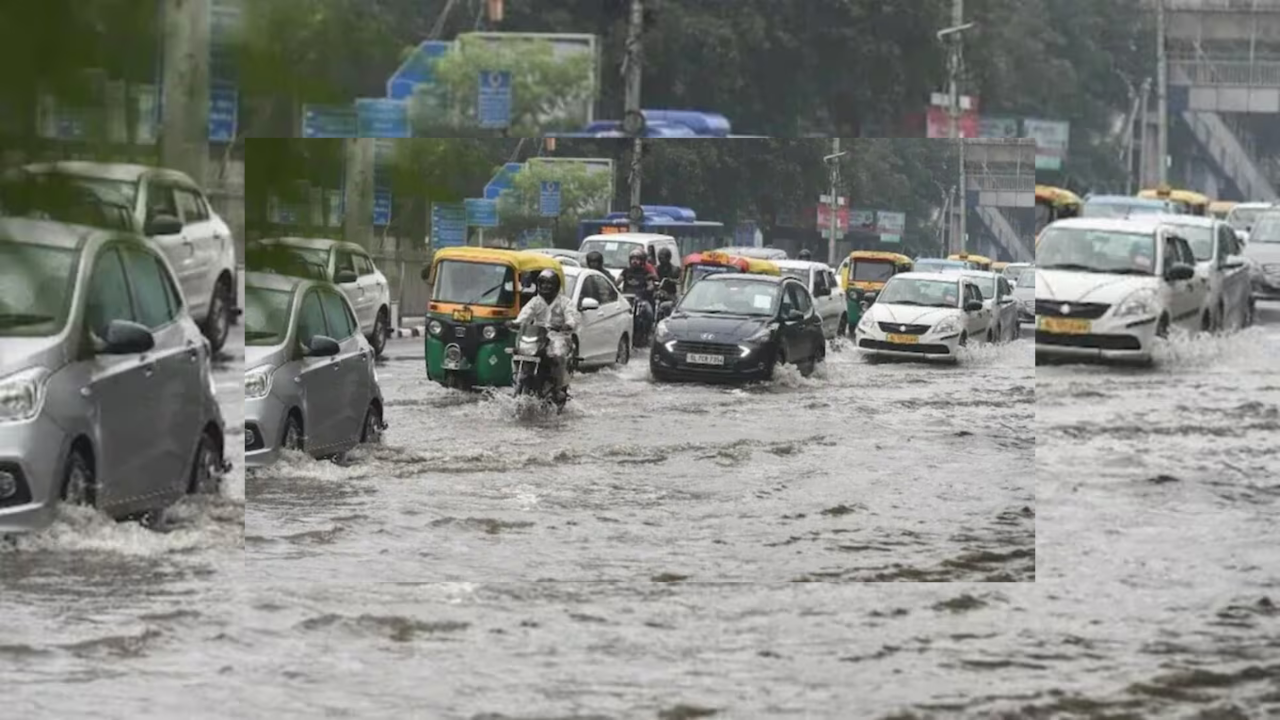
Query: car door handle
[[364, 356], [193, 352], [149, 369], [336, 364]]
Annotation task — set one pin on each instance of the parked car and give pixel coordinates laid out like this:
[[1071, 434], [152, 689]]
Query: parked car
[[820, 280], [738, 326], [604, 337], [350, 267], [928, 315], [1108, 288], [1221, 267], [311, 384], [172, 212], [107, 396]]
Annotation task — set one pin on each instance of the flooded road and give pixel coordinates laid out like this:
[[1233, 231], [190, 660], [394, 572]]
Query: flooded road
[[898, 471]]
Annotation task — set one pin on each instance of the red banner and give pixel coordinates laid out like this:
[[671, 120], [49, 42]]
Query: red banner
[[823, 216], [939, 123]]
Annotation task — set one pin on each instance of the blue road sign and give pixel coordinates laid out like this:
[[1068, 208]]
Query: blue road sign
[[417, 69], [381, 207], [493, 106], [448, 224], [383, 150], [502, 181], [382, 118], [328, 121], [549, 198], [481, 212], [223, 104]]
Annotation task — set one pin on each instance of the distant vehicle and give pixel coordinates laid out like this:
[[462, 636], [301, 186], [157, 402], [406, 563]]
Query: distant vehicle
[[1243, 216], [1186, 202], [997, 297], [820, 280], [923, 315], [1221, 265], [311, 384], [1053, 204], [738, 326], [616, 248], [1013, 271], [107, 396], [604, 335], [678, 223], [1108, 288], [171, 211], [1123, 206], [350, 267], [1264, 250], [760, 253], [567, 258], [932, 265], [1025, 293]]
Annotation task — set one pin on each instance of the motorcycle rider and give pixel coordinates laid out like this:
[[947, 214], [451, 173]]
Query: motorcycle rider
[[639, 278], [805, 254], [553, 310], [595, 261], [668, 281]]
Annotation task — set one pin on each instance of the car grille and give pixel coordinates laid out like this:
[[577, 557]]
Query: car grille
[[1084, 311], [904, 329], [1093, 342], [704, 348], [925, 349]]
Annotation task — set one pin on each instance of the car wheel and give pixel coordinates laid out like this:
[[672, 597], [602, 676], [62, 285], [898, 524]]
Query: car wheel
[[379, 339], [371, 433], [623, 356], [206, 474], [843, 327], [79, 483], [292, 438], [217, 324]]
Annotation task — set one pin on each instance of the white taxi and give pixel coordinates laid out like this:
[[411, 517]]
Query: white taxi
[[922, 315], [821, 281]]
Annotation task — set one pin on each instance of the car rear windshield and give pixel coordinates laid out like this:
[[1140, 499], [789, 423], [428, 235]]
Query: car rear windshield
[[36, 285], [616, 253], [1267, 230], [64, 198], [266, 316], [1200, 238], [473, 283]]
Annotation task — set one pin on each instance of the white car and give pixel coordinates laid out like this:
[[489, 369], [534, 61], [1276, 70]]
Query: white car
[[1244, 215], [1107, 288], [999, 304], [350, 267], [930, 315], [1264, 252], [1025, 295], [1221, 267], [567, 258], [173, 213], [616, 248], [821, 281], [1013, 271], [604, 336]]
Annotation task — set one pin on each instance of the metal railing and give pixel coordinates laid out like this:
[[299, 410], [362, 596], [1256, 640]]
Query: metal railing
[[1223, 146], [1239, 73], [1003, 232], [1005, 183]]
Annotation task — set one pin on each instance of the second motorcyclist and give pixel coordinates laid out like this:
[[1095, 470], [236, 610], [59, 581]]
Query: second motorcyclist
[[640, 279]]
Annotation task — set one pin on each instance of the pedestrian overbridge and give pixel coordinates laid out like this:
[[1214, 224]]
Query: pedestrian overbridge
[[1000, 176]]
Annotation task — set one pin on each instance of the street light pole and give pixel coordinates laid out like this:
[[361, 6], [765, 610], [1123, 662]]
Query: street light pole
[[956, 56], [1162, 93], [835, 205], [635, 28]]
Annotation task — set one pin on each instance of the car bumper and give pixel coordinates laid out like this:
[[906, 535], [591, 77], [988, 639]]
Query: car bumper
[[1266, 288], [264, 420], [667, 364], [875, 342], [32, 453], [1108, 339]]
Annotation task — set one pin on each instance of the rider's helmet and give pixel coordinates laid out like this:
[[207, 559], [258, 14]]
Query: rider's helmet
[[664, 255], [638, 258], [595, 260], [548, 284], [805, 254]]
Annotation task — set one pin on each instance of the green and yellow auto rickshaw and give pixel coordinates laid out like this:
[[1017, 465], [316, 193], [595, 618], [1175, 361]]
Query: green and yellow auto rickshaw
[[474, 292], [864, 276]]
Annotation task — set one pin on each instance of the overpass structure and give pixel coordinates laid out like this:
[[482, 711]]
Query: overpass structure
[[1000, 179], [1223, 59]]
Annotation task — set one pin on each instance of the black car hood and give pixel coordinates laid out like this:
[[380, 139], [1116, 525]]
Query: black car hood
[[725, 328]]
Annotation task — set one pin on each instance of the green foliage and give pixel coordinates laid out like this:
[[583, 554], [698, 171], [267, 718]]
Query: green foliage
[[584, 194]]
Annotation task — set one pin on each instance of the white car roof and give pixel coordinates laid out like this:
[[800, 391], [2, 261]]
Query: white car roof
[[1188, 220], [948, 276], [1140, 224], [801, 264], [630, 237], [1253, 206]]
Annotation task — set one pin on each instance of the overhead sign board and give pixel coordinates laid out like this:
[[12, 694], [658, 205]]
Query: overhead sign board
[[493, 105], [417, 69], [329, 121], [382, 118], [223, 106], [502, 181], [448, 225], [549, 198], [481, 212], [892, 223], [381, 208], [1052, 138]]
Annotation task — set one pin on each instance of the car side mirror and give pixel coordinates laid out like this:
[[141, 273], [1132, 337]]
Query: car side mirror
[[162, 225], [792, 315], [973, 306], [426, 273], [126, 338], [590, 304], [1233, 262], [1180, 271], [322, 346], [345, 276]]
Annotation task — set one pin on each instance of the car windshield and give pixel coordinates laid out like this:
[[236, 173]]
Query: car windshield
[[266, 316], [1200, 238], [1267, 229], [616, 252], [314, 256], [62, 198], [871, 270], [926, 293], [801, 274], [1244, 218], [731, 297], [36, 284], [1099, 251], [1015, 273], [985, 283], [938, 265], [570, 282], [474, 283], [1026, 281]]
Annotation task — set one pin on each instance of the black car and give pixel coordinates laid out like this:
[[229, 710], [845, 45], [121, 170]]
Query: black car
[[737, 326]]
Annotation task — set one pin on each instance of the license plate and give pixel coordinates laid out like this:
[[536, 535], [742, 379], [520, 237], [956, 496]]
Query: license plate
[[452, 365], [904, 339], [526, 358], [1065, 326], [462, 315], [705, 359]]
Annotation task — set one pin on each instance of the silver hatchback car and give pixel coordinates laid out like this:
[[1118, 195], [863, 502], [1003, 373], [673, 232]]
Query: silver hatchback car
[[106, 389], [311, 384]]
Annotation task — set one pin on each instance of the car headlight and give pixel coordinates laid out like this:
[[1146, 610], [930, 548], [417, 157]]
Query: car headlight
[[1142, 302], [22, 394], [662, 332], [489, 332], [763, 333], [866, 322], [947, 325], [434, 327], [257, 382]]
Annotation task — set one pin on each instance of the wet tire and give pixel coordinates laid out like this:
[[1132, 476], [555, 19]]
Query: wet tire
[[79, 482], [217, 324], [843, 327], [206, 476], [575, 361], [292, 438], [379, 338], [807, 367], [371, 432], [623, 356]]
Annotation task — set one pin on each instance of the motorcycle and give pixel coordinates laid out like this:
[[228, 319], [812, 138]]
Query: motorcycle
[[666, 299], [641, 323], [531, 365]]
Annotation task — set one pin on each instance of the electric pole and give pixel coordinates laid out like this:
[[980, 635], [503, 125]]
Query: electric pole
[[1144, 157], [357, 219], [958, 26], [633, 120], [184, 120], [835, 205], [1162, 94]]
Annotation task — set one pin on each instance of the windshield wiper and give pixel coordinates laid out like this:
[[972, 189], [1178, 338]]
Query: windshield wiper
[[20, 319], [1125, 271], [1071, 266], [907, 302]]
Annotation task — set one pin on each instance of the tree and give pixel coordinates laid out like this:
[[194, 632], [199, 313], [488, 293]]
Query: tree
[[584, 194]]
